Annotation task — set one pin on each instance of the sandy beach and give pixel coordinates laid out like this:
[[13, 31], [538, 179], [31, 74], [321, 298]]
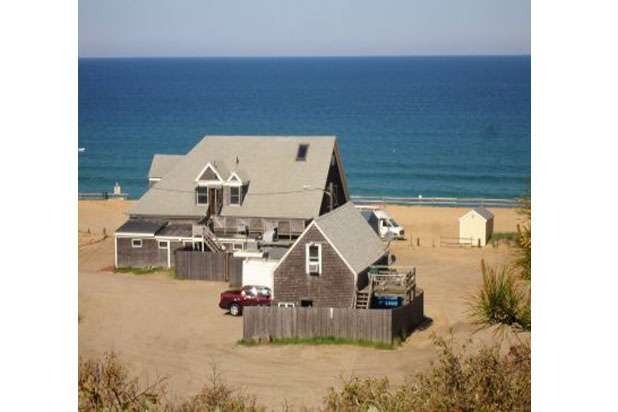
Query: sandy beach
[[161, 326]]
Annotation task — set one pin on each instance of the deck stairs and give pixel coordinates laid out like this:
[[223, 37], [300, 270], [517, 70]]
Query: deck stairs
[[363, 298], [209, 240], [208, 237]]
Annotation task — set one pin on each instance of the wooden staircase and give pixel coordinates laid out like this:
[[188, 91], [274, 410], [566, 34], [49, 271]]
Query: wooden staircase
[[363, 298], [209, 240]]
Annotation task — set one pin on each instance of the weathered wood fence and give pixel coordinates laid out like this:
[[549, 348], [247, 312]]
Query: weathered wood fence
[[456, 241], [374, 325], [198, 265]]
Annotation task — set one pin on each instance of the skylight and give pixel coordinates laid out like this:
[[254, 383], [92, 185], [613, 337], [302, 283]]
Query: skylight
[[302, 152]]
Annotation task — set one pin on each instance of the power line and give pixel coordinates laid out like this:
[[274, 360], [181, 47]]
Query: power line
[[249, 193]]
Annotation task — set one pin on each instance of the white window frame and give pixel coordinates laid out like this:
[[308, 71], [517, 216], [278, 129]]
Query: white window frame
[[286, 305], [308, 258], [134, 245], [239, 188], [197, 195], [167, 244]]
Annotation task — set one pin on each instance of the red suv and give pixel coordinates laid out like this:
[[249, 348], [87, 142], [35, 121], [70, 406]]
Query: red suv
[[235, 300]]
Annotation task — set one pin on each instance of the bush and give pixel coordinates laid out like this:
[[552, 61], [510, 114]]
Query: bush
[[216, 396], [104, 385], [485, 381], [501, 300]]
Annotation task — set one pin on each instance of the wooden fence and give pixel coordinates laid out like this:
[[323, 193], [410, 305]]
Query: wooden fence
[[456, 241], [198, 265], [101, 196], [374, 325], [434, 201]]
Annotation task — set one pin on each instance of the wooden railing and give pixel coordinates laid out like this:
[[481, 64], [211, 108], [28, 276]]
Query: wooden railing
[[393, 280]]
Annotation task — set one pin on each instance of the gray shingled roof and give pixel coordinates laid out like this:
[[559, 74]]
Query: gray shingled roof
[[486, 214], [162, 164], [177, 230], [276, 178], [352, 236], [143, 227]]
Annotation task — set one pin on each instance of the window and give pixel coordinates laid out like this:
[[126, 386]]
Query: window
[[314, 259], [201, 195], [237, 246], [250, 291], [235, 195], [286, 304], [264, 292], [301, 155], [136, 243], [164, 244]]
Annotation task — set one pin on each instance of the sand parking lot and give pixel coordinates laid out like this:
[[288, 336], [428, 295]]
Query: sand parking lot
[[166, 327]]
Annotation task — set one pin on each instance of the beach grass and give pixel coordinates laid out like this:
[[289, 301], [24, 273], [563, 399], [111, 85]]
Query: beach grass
[[330, 340], [144, 271], [512, 236]]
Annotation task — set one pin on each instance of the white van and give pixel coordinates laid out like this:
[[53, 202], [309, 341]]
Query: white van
[[382, 223]]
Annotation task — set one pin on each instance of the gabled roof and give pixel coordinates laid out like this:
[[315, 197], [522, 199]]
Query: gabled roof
[[277, 181], [351, 235], [482, 212], [162, 164]]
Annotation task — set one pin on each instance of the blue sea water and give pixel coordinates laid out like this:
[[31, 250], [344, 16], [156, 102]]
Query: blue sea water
[[436, 126]]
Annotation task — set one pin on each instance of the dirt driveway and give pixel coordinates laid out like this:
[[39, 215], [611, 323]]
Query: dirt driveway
[[166, 327]]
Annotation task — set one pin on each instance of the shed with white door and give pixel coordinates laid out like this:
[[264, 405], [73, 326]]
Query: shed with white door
[[476, 227]]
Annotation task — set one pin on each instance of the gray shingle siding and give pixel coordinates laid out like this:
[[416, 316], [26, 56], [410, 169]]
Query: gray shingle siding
[[334, 287]]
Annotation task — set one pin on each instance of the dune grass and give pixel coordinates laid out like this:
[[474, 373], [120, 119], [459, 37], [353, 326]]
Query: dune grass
[[502, 299]]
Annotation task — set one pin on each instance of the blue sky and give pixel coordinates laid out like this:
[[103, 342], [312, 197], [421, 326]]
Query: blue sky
[[140, 28]]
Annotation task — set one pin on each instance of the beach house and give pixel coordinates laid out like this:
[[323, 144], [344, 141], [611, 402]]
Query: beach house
[[228, 192]]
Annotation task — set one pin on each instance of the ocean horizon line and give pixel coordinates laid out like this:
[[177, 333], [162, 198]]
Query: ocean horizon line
[[360, 56]]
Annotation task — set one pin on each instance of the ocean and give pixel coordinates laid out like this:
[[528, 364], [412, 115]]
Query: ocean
[[407, 126]]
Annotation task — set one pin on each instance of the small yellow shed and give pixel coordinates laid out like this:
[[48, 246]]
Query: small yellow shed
[[476, 226]]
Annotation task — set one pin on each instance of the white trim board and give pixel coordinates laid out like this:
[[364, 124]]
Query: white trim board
[[215, 171], [140, 235]]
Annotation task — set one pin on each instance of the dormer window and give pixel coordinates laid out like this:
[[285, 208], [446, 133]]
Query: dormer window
[[301, 155], [235, 195], [201, 195]]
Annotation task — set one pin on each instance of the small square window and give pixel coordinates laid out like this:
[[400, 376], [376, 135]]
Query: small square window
[[301, 155], [136, 243], [164, 244], [235, 195]]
